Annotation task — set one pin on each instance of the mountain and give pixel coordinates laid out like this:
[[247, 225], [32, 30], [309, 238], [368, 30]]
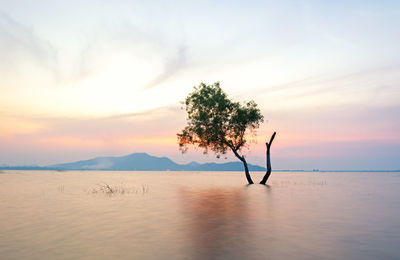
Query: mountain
[[145, 162]]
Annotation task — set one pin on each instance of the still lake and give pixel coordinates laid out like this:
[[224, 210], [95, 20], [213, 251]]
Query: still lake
[[198, 215]]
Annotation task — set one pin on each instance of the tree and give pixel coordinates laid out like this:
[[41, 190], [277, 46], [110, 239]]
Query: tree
[[268, 156], [217, 123]]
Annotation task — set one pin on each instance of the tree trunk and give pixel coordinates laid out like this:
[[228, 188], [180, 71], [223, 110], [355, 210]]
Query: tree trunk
[[246, 168], [269, 168]]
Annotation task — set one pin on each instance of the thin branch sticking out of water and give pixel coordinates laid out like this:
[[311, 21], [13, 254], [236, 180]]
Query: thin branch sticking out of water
[[105, 188], [60, 188]]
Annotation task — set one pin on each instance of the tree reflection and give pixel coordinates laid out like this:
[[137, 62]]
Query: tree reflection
[[217, 222]]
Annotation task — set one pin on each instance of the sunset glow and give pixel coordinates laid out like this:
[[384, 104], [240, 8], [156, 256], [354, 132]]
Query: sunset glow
[[87, 79]]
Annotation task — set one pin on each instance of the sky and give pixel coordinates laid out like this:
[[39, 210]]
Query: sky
[[80, 79]]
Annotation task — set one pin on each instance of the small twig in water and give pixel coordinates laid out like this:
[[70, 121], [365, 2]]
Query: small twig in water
[[110, 190]]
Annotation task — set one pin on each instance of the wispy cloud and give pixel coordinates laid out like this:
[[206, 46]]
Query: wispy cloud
[[152, 131], [105, 128], [148, 113], [172, 66], [19, 43], [374, 84]]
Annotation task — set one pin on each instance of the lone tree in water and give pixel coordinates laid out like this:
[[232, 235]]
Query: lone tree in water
[[217, 123]]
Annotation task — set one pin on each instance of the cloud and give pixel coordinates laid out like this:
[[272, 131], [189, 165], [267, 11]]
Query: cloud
[[323, 83], [22, 47], [148, 113], [151, 131], [172, 66], [104, 129], [20, 44], [306, 139], [140, 47], [372, 86]]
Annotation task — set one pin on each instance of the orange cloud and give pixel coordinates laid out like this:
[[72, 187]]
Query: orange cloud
[[11, 126]]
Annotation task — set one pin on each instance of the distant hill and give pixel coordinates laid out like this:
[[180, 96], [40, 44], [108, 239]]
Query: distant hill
[[140, 162]]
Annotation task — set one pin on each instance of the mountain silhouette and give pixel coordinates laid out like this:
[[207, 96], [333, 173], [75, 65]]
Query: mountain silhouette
[[145, 162]]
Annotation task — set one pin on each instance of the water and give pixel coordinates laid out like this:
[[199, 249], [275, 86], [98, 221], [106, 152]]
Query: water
[[198, 215]]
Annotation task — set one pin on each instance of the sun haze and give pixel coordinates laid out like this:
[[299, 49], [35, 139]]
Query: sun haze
[[95, 78]]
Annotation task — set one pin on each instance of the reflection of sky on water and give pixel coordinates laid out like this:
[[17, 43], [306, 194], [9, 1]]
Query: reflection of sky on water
[[208, 215], [217, 222]]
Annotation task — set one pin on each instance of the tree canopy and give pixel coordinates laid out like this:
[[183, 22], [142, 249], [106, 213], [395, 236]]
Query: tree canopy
[[216, 122]]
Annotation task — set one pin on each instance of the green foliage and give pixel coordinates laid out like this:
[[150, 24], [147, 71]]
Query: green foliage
[[215, 122]]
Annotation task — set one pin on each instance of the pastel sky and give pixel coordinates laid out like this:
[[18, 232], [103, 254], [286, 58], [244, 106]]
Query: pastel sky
[[80, 79]]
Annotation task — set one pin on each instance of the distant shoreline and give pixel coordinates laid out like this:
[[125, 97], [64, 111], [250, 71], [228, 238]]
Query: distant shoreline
[[108, 170], [146, 162]]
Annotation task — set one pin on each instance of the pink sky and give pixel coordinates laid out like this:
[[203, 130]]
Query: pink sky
[[107, 79]]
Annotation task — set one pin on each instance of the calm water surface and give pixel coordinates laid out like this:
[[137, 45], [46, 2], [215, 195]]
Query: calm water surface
[[198, 215]]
